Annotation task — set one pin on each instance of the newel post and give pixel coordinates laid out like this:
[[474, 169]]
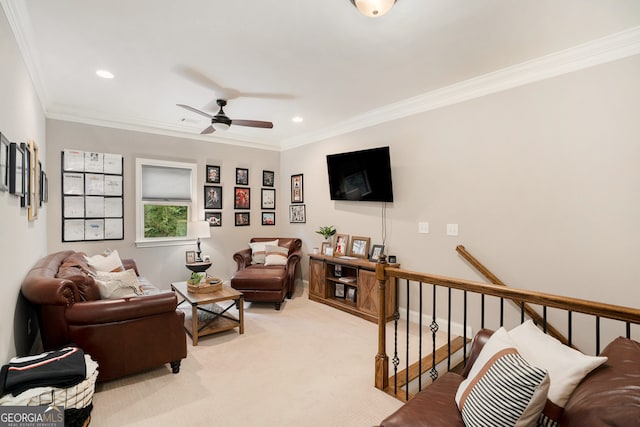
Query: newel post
[[382, 360]]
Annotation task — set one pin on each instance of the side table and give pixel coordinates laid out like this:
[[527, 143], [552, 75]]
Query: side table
[[207, 317]]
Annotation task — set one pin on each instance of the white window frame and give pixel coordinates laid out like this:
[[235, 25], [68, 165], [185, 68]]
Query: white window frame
[[141, 241]]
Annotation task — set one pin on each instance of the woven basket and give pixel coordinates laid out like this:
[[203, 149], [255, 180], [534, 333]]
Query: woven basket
[[212, 284]]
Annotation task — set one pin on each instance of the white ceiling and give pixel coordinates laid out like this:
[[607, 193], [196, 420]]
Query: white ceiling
[[318, 59]]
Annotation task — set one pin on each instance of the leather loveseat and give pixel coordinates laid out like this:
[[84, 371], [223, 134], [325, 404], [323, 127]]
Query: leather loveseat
[[607, 396], [261, 282], [124, 336]]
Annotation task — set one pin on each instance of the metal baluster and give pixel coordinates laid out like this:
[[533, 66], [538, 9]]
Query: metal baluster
[[464, 329], [482, 311], [396, 319], [628, 330], [544, 319], [420, 342], [501, 311], [522, 312], [597, 334], [570, 332], [406, 367], [449, 330], [433, 373]]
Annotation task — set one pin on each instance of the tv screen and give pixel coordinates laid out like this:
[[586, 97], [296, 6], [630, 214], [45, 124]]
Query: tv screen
[[361, 175]]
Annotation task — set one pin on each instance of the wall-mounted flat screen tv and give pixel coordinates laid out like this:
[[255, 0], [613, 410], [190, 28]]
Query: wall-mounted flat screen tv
[[361, 175]]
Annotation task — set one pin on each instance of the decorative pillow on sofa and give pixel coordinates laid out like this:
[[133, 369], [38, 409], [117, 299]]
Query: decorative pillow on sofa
[[566, 366], [110, 262], [121, 284], [258, 251], [502, 388], [276, 255]]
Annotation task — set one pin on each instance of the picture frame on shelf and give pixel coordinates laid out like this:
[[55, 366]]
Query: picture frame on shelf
[[342, 244], [242, 176], [4, 163], [297, 214], [213, 218], [213, 197], [190, 257], [376, 251], [359, 247], [242, 219], [326, 249], [213, 174], [339, 291], [268, 198], [351, 294], [268, 178], [268, 218], [241, 198], [297, 188]]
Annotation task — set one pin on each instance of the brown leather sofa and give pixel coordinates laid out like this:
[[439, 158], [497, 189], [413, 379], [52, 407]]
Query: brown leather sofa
[[608, 396], [267, 283], [124, 336]]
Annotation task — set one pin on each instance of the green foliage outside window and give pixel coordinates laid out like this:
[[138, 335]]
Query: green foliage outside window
[[165, 221]]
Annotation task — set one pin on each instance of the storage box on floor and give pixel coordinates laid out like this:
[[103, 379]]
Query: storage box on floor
[[64, 377]]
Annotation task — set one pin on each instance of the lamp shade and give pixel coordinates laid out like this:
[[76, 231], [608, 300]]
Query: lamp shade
[[200, 229], [373, 8]]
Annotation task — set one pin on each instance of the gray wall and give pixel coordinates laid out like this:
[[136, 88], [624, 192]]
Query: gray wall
[[163, 265], [542, 180], [21, 242]]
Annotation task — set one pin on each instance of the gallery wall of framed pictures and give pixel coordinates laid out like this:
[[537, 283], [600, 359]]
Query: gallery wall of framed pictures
[[242, 196], [92, 196], [22, 175]]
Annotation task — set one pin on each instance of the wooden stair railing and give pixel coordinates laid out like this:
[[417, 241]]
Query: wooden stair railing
[[527, 308], [626, 315]]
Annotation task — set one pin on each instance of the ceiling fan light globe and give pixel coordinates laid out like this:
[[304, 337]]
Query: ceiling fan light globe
[[373, 8], [220, 126]]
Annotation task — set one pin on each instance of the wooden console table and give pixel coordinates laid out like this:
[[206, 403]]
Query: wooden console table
[[349, 285]]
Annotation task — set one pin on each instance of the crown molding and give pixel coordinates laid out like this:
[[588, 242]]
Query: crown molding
[[161, 128], [600, 51]]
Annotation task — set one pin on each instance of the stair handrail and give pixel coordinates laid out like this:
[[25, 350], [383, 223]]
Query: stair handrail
[[496, 281]]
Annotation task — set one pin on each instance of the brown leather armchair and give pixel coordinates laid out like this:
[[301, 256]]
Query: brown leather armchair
[[267, 283], [124, 335]]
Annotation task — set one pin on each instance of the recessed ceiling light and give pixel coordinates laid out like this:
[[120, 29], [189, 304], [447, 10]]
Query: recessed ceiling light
[[297, 119], [104, 74]]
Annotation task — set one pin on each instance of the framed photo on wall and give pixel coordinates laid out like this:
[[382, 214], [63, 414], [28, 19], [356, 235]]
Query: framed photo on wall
[[242, 218], [297, 213], [4, 163], [241, 198], [268, 178], [213, 174], [213, 218], [242, 176], [213, 197], [16, 169], [268, 218], [268, 198], [297, 195]]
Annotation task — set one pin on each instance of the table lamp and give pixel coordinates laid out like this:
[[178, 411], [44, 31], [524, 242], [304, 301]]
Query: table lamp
[[200, 229]]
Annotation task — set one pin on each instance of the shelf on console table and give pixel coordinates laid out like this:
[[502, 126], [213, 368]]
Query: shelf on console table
[[323, 280]]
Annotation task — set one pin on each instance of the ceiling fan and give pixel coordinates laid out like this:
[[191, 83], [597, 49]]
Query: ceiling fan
[[222, 122]]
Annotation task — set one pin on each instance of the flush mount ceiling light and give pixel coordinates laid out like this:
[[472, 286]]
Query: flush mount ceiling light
[[373, 8], [104, 74]]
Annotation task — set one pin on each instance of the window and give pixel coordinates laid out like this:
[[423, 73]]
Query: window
[[165, 196]]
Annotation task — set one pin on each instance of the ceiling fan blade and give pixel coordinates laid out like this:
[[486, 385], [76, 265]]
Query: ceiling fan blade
[[200, 79], [195, 110], [265, 95], [252, 123], [208, 130]]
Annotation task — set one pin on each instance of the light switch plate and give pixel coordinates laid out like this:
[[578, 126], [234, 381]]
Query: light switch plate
[[423, 227], [452, 229]]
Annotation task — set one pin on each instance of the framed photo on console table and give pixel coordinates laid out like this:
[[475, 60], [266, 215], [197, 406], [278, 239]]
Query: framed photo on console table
[[359, 247]]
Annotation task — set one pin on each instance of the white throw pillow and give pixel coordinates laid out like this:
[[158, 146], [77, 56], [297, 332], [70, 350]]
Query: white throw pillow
[[566, 366], [121, 284], [276, 255], [110, 262], [502, 387], [258, 251]]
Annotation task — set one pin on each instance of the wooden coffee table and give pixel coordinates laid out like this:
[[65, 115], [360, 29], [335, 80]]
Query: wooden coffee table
[[207, 317]]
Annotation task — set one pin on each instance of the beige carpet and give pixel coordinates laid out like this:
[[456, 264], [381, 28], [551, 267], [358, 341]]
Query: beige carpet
[[306, 365]]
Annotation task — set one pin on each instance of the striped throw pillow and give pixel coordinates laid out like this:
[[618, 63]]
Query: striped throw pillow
[[276, 255], [502, 389]]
